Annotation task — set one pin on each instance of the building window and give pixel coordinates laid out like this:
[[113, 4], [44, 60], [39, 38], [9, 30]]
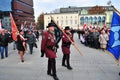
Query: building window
[[82, 20], [90, 20], [61, 22], [95, 20], [10, 24], [48, 21], [86, 19], [103, 19], [5, 19], [66, 22], [71, 22], [75, 21], [99, 20]]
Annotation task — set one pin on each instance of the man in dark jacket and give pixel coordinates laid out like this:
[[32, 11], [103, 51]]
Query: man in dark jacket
[[31, 39], [4, 40]]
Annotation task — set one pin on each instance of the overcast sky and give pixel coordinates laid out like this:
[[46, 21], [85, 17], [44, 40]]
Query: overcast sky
[[41, 6]]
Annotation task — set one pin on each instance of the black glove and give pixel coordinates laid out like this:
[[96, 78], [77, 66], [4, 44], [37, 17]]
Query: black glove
[[68, 43], [57, 46], [42, 53]]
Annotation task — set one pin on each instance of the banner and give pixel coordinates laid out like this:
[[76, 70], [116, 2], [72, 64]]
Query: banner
[[114, 39], [14, 28]]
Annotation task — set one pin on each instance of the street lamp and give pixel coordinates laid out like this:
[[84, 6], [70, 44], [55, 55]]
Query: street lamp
[[110, 4]]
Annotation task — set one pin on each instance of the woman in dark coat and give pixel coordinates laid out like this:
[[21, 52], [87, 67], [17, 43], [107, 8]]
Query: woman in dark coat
[[21, 45]]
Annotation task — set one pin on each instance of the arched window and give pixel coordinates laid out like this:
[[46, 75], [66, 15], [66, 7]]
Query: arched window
[[95, 20], [103, 19], [86, 20], [90, 20], [82, 20], [99, 20]]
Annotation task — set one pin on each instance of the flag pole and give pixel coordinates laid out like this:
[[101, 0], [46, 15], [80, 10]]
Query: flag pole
[[67, 36], [109, 53], [110, 4]]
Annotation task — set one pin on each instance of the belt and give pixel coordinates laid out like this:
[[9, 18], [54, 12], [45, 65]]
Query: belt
[[51, 47]]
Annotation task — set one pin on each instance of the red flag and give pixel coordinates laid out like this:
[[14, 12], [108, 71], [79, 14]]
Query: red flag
[[84, 26], [14, 28]]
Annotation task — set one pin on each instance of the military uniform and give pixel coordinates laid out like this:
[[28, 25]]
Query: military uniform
[[48, 47], [66, 49]]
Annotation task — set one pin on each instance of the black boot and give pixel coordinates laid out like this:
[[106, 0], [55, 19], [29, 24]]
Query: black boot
[[63, 61], [69, 67], [119, 73], [55, 77], [49, 74], [64, 65]]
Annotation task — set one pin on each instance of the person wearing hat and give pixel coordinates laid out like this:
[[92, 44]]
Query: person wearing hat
[[66, 48], [48, 47]]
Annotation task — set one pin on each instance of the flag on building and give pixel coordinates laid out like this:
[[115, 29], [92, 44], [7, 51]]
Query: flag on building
[[14, 28], [0, 25], [114, 39]]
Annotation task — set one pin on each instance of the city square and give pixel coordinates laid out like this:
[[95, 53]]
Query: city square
[[59, 40]]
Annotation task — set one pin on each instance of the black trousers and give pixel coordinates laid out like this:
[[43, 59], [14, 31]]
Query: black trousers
[[66, 57], [52, 66]]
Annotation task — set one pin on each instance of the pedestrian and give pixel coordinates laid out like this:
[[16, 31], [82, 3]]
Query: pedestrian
[[103, 39], [14, 45], [66, 48], [48, 46], [31, 40], [96, 38], [21, 45], [4, 40]]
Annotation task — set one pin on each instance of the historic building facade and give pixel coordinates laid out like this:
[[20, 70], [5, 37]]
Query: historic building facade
[[63, 19], [75, 17]]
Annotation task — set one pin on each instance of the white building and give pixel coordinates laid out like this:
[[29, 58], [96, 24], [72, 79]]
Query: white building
[[63, 19], [75, 17]]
